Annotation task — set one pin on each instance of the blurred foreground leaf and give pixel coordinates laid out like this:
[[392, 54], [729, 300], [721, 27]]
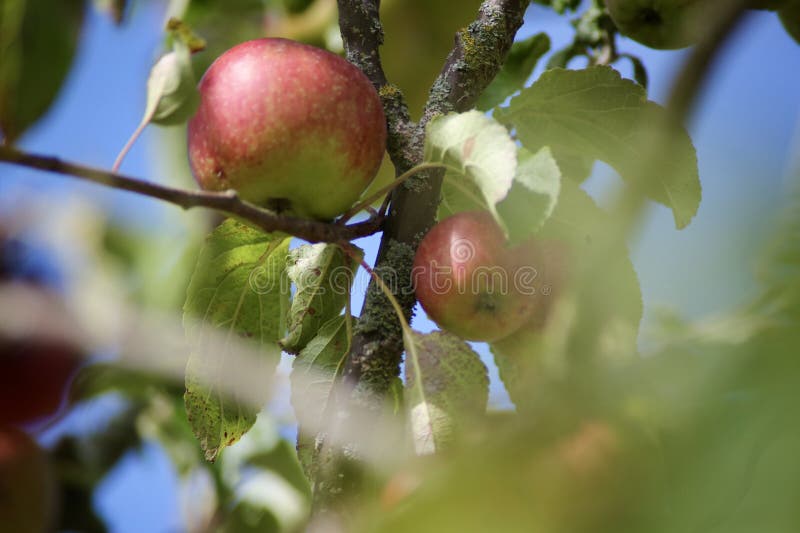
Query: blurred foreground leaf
[[237, 289]]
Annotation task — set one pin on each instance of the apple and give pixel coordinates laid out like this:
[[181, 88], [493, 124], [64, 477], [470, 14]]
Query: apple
[[27, 487], [661, 24], [34, 376], [289, 126], [471, 283]]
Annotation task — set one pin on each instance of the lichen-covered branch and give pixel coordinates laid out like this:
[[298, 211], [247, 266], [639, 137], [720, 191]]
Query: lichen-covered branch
[[374, 360], [362, 35], [478, 55], [479, 52], [227, 202]]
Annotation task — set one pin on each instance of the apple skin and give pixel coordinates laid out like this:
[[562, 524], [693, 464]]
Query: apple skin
[[289, 126], [457, 271], [28, 501], [660, 24], [34, 376]]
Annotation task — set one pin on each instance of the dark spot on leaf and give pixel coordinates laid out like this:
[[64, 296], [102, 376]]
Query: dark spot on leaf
[[312, 311]]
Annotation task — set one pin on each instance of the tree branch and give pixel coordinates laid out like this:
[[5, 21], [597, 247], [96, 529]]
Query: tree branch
[[362, 35], [374, 359], [479, 53], [227, 202]]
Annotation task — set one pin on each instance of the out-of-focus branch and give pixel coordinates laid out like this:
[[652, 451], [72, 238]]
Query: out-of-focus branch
[[227, 202]]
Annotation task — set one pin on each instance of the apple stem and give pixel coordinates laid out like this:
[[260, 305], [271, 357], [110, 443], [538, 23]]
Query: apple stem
[[388, 293], [128, 145], [383, 191]]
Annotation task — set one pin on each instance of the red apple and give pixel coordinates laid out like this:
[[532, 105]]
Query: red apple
[[289, 126], [34, 376], [27, 488], [470, 282]]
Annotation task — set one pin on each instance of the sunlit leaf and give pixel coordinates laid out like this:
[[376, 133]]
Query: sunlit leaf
[[480, 153], [38, 39]]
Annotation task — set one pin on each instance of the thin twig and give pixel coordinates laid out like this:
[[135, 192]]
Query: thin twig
[[383, 191], [227, 202]]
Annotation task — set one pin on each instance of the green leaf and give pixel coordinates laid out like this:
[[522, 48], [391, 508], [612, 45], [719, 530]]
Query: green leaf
[[639, 70], [596, 250], [596, 303], [313, 375], [573, 166], [99, 378], [38, 39], [446, 381], [282, 460], [237, 288], [477, 148], [533, 195], [596, 113], [522, 59], [323, 275], [561, 58], [790, 18]]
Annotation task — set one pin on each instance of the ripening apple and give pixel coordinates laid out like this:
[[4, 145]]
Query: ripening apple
[[289, 126], [34, 376], [661, 24], [470, 282], [27, 489]]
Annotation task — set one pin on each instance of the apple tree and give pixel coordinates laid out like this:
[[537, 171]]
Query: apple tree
[[312, 127]]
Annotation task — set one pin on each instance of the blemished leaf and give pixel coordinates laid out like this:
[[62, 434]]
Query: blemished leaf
[[322, 275], [519, 65], [313, 374], [38, 39], [445, 381], [533, 195], [480, 153], [596, 113], [238, 287]]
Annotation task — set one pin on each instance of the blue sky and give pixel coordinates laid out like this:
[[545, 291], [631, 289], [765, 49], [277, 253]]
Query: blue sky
[[745, 130]]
